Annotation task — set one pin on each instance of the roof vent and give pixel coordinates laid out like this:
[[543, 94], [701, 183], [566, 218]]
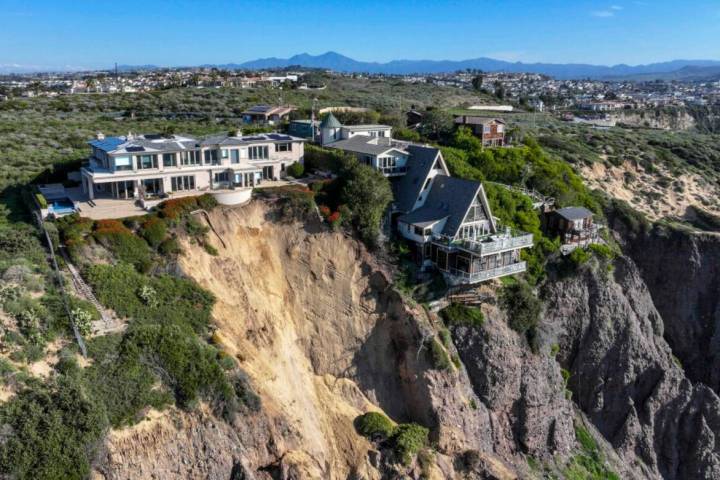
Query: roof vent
[[100, 136]]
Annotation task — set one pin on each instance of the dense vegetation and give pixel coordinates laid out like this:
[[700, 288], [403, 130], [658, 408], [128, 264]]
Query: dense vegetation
[[162, 358]]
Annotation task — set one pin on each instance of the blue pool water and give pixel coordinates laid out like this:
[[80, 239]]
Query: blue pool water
[[62, 207]]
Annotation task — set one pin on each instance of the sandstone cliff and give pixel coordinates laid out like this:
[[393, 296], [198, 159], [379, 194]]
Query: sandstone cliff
[[311, 317]]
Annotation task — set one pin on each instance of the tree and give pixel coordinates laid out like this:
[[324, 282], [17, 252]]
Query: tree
[[437, 124], [367, 192], [477, 82]]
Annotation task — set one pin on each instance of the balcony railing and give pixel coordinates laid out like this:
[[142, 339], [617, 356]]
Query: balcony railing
[[495, 245], [457, 277], [393, 170]]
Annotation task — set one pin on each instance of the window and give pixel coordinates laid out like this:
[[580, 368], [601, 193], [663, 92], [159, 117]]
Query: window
[[419, 231], [169, 160], [258, 152], [221, 177], [234, 156], [211, 157], [283, 147], [190, 158], [123, 163], [224, 152], [146, 161], [152, 186], [185, 182]]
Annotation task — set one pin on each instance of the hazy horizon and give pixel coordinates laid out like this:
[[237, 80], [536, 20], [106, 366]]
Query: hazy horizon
[[94, 35]]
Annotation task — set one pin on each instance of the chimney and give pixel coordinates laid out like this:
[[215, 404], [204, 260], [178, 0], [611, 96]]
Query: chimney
[[238, 133], [100, 136], [130, 136]]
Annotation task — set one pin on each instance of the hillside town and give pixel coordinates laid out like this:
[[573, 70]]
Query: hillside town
[[527, 91]]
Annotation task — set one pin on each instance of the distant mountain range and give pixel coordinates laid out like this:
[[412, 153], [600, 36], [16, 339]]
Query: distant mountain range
[[675, 69], [340, 63]]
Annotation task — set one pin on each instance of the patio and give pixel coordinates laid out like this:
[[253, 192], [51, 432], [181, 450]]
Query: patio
[[106, 207]]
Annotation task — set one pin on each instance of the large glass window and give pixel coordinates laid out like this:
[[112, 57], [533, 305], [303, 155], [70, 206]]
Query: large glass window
[[259, 152], [169, 160], [152, 186], [146, 161], [234, 156], [190, 158], [211, 157], [283, 147], [123, 163], [185, 182]]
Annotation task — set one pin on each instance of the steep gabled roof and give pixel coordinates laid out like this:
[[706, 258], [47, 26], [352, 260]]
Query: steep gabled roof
[[453, 196], [408, 187]]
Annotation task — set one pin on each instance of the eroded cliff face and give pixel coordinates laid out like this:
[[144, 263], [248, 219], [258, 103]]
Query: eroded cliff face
[[624, 378], [682, 272], [312, 318]]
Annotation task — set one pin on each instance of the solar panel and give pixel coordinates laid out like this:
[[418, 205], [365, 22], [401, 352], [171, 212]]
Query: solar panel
[[135, 149]]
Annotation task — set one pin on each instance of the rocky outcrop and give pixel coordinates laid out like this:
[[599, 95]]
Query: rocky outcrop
[[624, 378], [523, 392], [665, 120], [682, 272]]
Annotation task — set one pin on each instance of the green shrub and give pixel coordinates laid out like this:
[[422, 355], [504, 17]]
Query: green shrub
[[438, 355], [374, 425], [56, 429], [602, 251], [170, 246], [207, 201], [589, 463], [296, 170], [179, 300], [210, 249], [579, 256], [367, 193], [458, 314], [154, 230], [522, 306], [408, 439], [124, 245]]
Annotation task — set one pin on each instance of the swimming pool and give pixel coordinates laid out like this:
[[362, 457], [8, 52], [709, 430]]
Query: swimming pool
[[63, 206]]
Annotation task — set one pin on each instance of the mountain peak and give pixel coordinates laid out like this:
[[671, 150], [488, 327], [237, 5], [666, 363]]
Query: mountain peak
[[336, 61]]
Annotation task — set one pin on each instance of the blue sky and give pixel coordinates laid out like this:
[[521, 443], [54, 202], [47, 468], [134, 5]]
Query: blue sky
[[95, 34]]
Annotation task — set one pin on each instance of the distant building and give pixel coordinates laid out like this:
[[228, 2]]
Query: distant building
[[331, 130], [308, 129], [266, 114], [490, 130], [573, 225]]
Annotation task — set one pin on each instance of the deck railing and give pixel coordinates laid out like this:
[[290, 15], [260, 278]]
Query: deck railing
[[456, 276], [495, 245], [393, 170]]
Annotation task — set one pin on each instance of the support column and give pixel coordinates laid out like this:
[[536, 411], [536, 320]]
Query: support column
[[91, 190]]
